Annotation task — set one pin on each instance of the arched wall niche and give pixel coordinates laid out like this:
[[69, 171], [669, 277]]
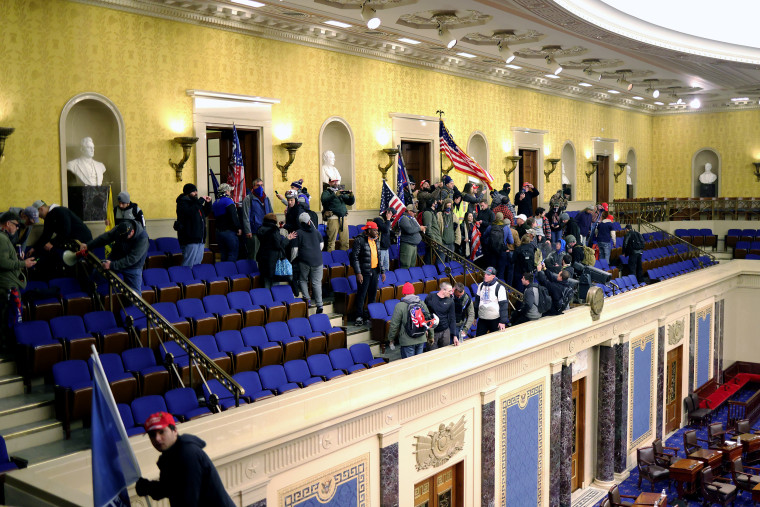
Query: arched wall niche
[[97, 117], [477, 148], [631, 190], [569, 169], [701, 157], [336, 135]]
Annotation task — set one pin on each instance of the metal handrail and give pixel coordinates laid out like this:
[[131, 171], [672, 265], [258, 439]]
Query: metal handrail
[[196, 355], [444, 253], [674, 237], [692, 208]]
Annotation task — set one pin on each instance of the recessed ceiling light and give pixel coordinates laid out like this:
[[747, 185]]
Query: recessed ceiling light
[[466, 55], [637, 98], [409, 41], [658, 103], [695, 104], [249, 3], [339, 24], [614, 92], [551, 76], [511, 66], [587, 85], [740, 99]]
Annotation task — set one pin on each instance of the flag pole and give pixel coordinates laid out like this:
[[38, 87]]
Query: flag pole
[[440, 114]]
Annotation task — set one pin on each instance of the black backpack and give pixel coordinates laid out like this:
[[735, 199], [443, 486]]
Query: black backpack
[[528, 257], [544, 302], [416, 321], [637, 241], [567, 296], [497, 238]]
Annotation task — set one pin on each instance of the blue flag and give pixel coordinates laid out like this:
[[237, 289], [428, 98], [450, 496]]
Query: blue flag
[[214, 183], [403, 178], [114, 466]]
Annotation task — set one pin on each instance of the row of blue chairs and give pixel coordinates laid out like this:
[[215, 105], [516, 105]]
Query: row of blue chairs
[[744, 248], [679, 268], [698, 237], [200, 280], [166, 251], [622, 284], [733, 236]]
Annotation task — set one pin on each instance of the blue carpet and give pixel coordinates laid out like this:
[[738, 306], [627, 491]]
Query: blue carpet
[[630, 485]]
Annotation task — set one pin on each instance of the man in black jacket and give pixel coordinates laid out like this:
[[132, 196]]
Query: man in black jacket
[[559, 289], [188, 478], [441, 303], [367, 266], [191, 224], [524, 199], [384, 222], [61, 226], [334, 211], [307, 246], [130, 248]]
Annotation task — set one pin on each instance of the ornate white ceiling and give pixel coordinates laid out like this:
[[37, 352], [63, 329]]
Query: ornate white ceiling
[[532, 29]]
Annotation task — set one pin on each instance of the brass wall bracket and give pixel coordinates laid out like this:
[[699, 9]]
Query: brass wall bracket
[[187, 146], [594, 166], [553, 162], [514, 159], [756, 164], [292, 148], [391, 152], [447, 170], [4, 133], [621, 165]]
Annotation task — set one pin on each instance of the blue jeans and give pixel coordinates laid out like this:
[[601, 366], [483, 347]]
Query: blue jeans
[[228, 245], [133, 278], [556, 236], [385, 259], [192, 254], [411, 350], [604, 251]]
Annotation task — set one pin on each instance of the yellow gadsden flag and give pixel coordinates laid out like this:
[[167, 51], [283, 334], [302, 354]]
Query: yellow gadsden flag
[[110, 221]]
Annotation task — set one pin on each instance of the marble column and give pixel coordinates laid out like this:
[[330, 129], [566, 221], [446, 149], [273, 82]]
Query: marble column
[[488, 448], [260, 503], [720, 312], [566, 443], [621, 406], [660, 378], [555, 425], [389, 493], [605, 459], [692, 344], [717, 342]]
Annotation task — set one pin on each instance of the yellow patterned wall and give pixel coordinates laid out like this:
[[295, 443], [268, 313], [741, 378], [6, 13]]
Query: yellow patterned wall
[[735, 136], [54, 50]]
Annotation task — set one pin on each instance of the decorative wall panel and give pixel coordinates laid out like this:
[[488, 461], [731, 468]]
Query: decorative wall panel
[[640, 389], [703, 345], [346, 485], [522, 445]]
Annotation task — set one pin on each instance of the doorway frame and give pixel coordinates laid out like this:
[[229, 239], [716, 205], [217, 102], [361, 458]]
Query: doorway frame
[[419, 128], [606, 148], [531, 139], [580, 444]]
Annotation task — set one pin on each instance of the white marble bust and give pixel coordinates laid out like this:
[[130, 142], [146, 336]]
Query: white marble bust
[[708, 177], [329, 171], [565, 180], [85, 170], [628, 180]]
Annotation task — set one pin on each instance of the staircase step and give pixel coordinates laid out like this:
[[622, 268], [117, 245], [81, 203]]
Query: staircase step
[[32, 434], [11, 385], [79, 441], [7, 366], [26, 409], [327, 307]]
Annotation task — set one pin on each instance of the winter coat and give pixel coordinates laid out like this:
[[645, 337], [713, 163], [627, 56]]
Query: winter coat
[[433, 226], [525, 205], [336, 202], [126, 253], [309, 243], [401, 316], [273, 246], [384, 226], [254, 210], [425, 198], [188, 478], [65, 225], [584, 223], [10, 266], [410, 230], [191, 219], [291, 217], [361, 256], [226, 215], [571, 227], [132, 212]]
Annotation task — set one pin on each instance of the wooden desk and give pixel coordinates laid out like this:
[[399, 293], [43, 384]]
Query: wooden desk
[[685, 472], [650, 499], [731, 451], [710, 457], [750, 441]]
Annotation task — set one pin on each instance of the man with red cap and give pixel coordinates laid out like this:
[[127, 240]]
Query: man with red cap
[[188, 477], [410, 322], [367, 266], [524, 199]]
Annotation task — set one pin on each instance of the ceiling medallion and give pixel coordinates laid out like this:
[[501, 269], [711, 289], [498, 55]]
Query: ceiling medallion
[[503, 36], [591, 63], [628, 73], [448, 19], [553, 51]]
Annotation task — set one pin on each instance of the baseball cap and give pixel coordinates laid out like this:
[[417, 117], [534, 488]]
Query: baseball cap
[[521, 217], [38, 204], [491, 270], [407, 289], [370, 225], [610, 218], [32, 214], [304, 218], [570, 239], [159, 421], [564, 216], [123, 197], [527, 184], [605, 206]]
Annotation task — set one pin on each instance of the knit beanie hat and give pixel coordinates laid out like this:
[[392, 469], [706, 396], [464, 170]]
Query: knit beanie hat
[[189, 188]]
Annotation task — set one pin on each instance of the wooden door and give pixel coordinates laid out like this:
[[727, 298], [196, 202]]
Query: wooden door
[[220, 147], [673, 390], [529, 170], [579, 430], [603, 179], [417, 160], [443, 489]]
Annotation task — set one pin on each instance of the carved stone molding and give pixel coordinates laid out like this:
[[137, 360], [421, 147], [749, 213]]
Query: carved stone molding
[[438, 447], [675, 332]]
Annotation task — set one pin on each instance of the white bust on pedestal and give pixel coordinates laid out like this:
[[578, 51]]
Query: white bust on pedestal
[[329, 171], [86, 170], [708, 177], [628, 180], [565, 180]]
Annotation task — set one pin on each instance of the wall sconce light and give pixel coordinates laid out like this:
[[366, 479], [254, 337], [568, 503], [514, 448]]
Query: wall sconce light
[[514, 159], [4, 133], [291, 148], [594, 166], [621, 165], [391, 152], [187, 146], [553, 162], [756, 164]]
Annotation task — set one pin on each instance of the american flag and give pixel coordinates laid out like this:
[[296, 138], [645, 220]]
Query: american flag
[[403, 177], [461, 160], [476, 251], [390, 200], [236, 176]]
